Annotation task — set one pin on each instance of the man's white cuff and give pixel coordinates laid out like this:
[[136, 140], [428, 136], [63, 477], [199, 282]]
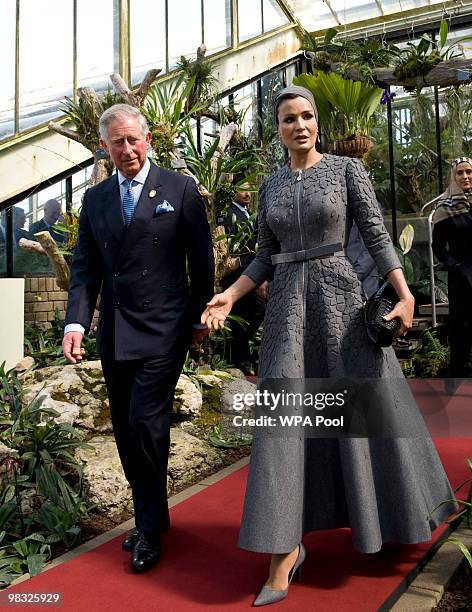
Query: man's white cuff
[[74, 327]]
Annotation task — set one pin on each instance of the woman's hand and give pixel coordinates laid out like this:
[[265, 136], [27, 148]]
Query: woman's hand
[[404, 311], [218, 308]]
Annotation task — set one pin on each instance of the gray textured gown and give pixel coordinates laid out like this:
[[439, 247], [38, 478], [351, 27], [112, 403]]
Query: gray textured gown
[[384, 489]]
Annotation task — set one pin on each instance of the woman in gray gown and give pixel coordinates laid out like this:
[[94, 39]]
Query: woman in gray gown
[[383, 488]]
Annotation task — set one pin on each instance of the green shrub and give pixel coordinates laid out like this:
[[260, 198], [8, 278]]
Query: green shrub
[[41, 500]]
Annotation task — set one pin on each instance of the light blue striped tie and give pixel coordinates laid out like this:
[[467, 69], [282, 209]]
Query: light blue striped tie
[[128, 201]]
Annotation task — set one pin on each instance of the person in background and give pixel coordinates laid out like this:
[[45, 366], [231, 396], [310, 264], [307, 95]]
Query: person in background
[[19, 220], [251, 307], [452, 245], [52, 215]]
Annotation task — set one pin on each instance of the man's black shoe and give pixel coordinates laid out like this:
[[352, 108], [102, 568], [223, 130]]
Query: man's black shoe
[[130, 541], [146, 553]]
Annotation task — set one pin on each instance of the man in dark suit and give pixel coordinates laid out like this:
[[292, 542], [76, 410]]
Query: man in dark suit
[[52, 214], [137, 231], [251, 307]]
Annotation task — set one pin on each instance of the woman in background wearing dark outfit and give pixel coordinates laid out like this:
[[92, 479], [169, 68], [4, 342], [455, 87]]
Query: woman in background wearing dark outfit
[[452, 245]]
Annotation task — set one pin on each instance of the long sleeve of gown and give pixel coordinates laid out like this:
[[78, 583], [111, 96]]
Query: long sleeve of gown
[[365, 211], [261, 268]]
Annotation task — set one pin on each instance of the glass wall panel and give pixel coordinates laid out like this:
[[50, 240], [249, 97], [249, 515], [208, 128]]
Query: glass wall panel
[[148, 37], [217, 20], [274, 17], [96, 43], [351, 12], [291, 73], [7, 53], [415, 156], [185, 30], [249, 19], [79, 185], [46, 61], [273, 149]]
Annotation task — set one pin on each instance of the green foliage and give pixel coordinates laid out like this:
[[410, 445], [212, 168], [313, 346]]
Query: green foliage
[[345, 107], [420, 57], [239, 241], [83, 117], [432, 359], [69, 228], [41, 500], [416, 270], [348, 57], [165, 111], [416, 173], [204, 82], [210, 171], [216, 439]]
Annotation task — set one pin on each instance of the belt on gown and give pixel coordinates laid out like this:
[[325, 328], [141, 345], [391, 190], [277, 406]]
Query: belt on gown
[[314, 253]]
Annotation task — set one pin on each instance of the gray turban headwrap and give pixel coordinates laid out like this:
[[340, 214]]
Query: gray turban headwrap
[[288, 93]]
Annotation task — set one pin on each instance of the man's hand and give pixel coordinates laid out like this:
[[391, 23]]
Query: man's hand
[[198, 333], [73, 352]]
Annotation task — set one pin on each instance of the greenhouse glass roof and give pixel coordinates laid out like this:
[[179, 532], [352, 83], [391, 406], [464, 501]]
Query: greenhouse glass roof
[[319, 15]]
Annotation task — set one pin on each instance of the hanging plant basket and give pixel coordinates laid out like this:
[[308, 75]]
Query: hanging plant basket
[[452, 72], [356, 146]]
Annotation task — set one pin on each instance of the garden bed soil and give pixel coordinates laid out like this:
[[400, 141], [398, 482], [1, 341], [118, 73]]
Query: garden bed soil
[[458, 595]]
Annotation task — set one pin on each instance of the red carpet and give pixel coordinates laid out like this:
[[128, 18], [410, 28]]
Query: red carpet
[[202, 567]]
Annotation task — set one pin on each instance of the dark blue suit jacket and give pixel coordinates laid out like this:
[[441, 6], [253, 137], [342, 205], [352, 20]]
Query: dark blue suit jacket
[[147, 305]]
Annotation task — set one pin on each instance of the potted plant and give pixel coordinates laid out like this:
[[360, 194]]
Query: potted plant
[[345, 109]]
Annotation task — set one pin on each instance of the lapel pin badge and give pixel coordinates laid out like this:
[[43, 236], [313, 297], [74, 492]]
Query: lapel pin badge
[[152, 193]]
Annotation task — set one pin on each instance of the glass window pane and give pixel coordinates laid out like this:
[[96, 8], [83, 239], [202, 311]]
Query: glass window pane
[[217, 20], [79, 185], [351, 12], [185, 30], [249, 19], [46, 65], [291, 73], [274, 17], [96, 58], [7, 53], [148, 37]]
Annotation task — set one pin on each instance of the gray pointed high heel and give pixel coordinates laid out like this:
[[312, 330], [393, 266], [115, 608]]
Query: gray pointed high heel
[[270, 596]]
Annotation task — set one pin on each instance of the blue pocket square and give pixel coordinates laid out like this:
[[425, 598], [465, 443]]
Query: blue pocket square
[[163, 208]]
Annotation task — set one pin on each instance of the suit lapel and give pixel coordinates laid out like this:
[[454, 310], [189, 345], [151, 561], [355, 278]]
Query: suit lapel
[[114, 210], [151, 195], [144, 210]]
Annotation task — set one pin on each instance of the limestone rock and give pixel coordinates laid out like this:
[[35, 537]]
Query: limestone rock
[[104, 480], [213, 378], [236, 373], [190, 460], [24, 364], [188, 399], [77, 392]]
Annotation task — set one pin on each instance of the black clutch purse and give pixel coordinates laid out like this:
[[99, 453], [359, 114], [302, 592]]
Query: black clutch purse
[[381, 303]]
